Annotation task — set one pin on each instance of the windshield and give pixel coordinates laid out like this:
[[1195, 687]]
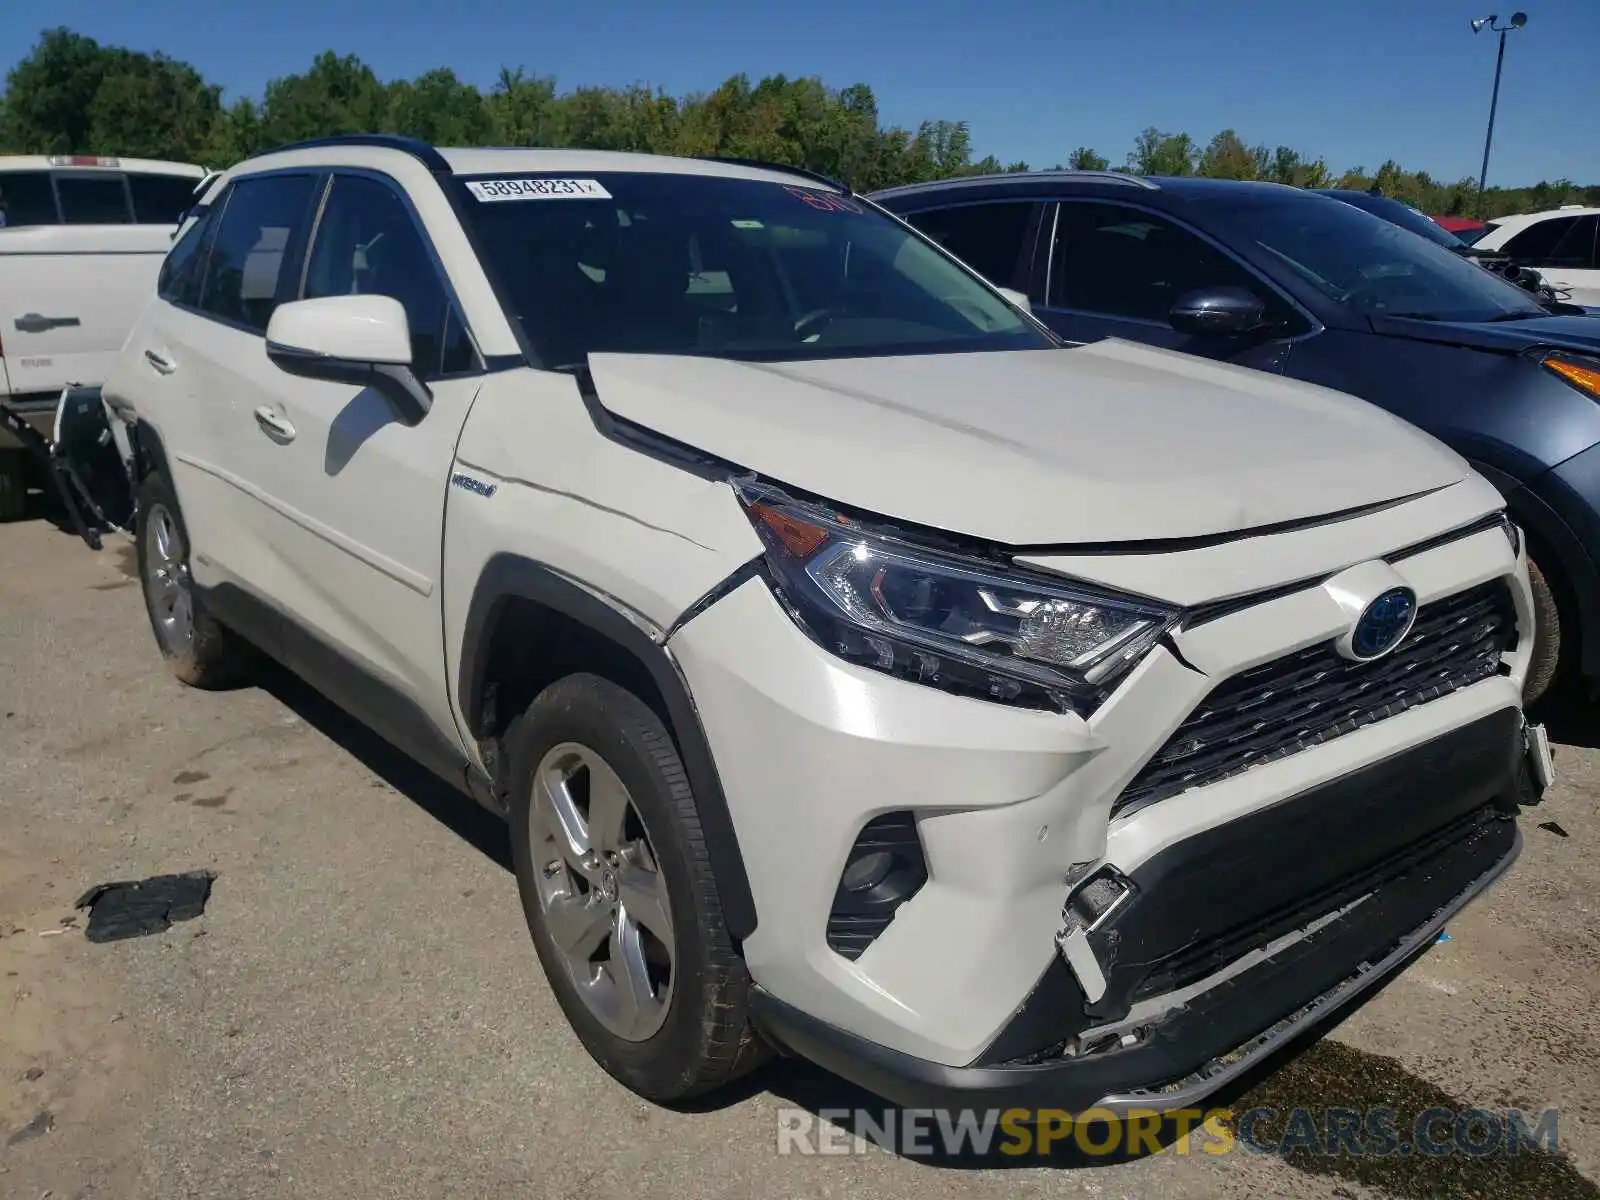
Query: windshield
[[660, 263], [1399, 214], [1373, 266]]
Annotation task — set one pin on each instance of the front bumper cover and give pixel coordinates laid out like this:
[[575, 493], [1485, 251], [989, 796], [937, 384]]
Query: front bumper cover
[[1472, 780]]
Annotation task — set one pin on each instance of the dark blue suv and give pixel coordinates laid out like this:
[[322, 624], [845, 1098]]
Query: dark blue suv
[[1286, 280]]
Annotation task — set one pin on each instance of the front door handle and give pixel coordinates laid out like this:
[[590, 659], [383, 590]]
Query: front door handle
[[160, 362], [274, 426], [38, 323]]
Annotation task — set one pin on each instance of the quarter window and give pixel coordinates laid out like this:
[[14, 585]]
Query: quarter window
[[184, 268], [244, 272], [1124, 262], [987, 237], [368, 243]]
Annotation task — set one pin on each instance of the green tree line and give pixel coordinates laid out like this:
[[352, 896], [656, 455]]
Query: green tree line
[[73, 95]]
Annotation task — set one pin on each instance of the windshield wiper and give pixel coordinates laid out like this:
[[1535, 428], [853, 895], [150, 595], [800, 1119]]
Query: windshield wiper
[[1410, 316], [1520, 315]]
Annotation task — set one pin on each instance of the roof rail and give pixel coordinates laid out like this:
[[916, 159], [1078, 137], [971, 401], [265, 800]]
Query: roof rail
[[420, 150], [1122, 178], [786, 168]]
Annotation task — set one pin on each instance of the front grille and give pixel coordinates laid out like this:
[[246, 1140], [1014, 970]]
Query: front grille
[[1313, 696]]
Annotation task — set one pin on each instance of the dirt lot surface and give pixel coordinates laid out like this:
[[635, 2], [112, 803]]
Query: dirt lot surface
[[359, 1012]]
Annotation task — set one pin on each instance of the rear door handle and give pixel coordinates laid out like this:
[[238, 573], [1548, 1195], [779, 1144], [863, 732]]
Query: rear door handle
[[160, 362], [38, 323], [274, 426]]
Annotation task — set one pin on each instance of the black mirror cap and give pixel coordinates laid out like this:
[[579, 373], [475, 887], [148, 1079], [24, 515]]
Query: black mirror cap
[[1218, 310]]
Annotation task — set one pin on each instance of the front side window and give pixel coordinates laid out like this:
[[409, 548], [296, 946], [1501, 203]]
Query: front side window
[[1376, 268], [987, 237], [92, 199], [243, 273], [661, 263], [27, 198], [1113, 260], [368, 244]]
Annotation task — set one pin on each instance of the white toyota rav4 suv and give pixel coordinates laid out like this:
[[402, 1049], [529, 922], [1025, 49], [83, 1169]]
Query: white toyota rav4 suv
[[862, 673]]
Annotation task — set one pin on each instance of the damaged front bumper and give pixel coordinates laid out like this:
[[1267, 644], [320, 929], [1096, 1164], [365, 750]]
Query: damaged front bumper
[[1230, 945]]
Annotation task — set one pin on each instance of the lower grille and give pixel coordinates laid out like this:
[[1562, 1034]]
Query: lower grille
[[1313, 696]]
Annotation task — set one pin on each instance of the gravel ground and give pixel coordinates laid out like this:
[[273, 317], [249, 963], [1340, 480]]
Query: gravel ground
[[359, 1012]]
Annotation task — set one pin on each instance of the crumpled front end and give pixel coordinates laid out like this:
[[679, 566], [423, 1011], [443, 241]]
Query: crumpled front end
[[959, 898]]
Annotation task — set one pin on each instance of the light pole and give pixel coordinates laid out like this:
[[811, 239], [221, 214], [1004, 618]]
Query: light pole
[[1518, 20]]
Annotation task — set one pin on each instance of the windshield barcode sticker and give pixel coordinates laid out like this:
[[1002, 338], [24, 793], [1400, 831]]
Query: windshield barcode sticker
[[537, 189]]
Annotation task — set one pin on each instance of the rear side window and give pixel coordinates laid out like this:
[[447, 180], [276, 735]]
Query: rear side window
[[161, 199], [1577, 246], [93, 199], [367, 244], [987, 237], [26, 198], [1535, 243], [243, 273]]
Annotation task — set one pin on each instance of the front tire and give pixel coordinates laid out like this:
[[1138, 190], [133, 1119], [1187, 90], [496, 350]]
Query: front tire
[[1545, 665], [200, 650], [616, 885]]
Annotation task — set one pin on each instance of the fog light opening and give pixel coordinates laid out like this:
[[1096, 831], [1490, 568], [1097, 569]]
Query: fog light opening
[[884, 869]]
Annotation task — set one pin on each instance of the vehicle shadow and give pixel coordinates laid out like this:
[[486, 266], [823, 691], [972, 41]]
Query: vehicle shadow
[[453, 809], [1304, 1086], [1052, 1142], [1571, 718], [1295, 1105]]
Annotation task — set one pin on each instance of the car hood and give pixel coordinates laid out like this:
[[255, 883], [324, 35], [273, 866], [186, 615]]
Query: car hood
[[1581, 333], [1111, 442]]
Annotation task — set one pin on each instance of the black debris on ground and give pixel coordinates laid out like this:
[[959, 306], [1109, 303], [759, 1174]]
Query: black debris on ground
[[38, 1127], [137, 908], [1552, 827]]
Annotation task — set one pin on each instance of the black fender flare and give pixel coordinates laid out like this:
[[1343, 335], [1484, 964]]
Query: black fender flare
[[149, 451], [1577, 575], [508, 576]]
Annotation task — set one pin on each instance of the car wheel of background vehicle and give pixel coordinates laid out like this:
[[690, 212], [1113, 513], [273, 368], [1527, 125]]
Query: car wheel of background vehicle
[[200, 651], [1544, 666], [13, 485], [617, 889]]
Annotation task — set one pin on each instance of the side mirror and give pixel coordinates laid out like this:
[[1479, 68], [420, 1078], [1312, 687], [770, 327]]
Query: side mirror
[[1017, 298], [1218, 310], [361, 340]]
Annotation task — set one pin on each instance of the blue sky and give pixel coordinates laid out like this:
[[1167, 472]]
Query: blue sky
[[1355, 82]]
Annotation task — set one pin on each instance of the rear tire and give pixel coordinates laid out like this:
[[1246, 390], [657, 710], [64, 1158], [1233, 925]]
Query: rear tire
[[13, 485], [201, 651], [586, 748], [1545, 666]]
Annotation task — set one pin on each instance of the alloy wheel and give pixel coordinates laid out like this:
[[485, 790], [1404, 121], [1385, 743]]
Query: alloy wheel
[[601, 891], [167, 584]]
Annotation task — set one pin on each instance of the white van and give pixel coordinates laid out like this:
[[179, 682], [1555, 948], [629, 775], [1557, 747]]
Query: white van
[[81, 241]]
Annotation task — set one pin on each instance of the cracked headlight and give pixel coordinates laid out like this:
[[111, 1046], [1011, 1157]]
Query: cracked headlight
[[961, 623]]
